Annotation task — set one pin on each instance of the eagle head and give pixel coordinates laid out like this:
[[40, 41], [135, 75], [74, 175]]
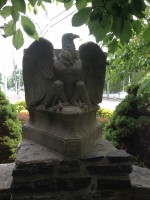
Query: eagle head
[[67, 40]]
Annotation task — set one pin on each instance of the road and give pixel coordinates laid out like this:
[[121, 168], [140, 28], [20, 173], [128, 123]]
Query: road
[[109, 103]]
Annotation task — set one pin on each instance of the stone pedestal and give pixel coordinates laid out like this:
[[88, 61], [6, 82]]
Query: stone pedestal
[[71, 132], [102, 173]]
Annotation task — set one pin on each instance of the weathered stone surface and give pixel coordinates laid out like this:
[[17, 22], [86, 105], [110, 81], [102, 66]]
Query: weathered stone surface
[[140, 180], [68, 166], [30, 169], [118, 156], [51, 184], [99, 151], [111, 195], [5, 180], [110, 169], [71, 132], [113, 183], [80, 178], [31, 152]]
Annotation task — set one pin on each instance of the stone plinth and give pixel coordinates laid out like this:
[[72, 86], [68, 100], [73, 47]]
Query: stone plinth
[[71, 131], [5, 180], [41, 174]]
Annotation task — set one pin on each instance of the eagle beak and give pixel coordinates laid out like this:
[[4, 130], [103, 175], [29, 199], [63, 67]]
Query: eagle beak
[[75, 36]]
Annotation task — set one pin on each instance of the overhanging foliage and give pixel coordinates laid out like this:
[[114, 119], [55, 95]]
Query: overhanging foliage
[[115, 20]]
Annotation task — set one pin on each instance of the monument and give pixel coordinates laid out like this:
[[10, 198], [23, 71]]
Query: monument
[[63, 154]]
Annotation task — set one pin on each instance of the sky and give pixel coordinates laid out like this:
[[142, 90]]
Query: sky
[[52, 29]]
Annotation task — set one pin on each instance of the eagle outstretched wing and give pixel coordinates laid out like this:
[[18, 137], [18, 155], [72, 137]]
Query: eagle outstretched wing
[[38, 73], [93, 62]]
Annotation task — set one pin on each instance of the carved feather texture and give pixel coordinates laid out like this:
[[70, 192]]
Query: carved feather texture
[[41, 71], [38, 73], [94, 66]]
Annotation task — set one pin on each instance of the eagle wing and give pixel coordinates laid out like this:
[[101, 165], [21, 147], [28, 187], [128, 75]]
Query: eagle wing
[[93, 62], [38, 75]]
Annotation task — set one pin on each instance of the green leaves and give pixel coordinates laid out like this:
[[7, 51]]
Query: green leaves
[[15, 14], [126, 32], [10, 28], [113, 46], [97, 3], [137, 7], [69, 4], [2, 3], [122, 29], [18, 40], [117, 26], [28, 25], [106, 22], [33, 2], [81, 17], [137, 26], [146, 34], [6, 11], [81, 4], [19, 5]]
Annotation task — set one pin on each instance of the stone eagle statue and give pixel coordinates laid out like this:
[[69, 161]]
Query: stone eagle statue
[[67, 79]]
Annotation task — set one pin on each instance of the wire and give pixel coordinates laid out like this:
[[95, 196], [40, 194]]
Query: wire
[[59, 14], [60, 21], [53, 19], [64, 18]]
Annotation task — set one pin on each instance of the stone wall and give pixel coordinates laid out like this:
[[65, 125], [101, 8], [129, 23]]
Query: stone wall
[[102, 173], [140, 183]]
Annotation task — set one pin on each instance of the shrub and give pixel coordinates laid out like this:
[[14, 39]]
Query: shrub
[[20, 105], [103, 115], [10, 130], [23, 116], [129, 127]]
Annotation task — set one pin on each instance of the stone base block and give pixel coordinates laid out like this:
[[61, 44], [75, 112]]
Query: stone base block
[[43, 174], [71, 132]]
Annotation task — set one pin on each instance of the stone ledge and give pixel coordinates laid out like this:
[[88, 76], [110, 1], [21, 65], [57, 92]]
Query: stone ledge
[[5, 180], [140, 181], [118, 156], [114, 170]]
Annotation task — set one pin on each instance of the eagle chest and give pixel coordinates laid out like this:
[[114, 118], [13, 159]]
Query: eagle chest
[[68, 73]]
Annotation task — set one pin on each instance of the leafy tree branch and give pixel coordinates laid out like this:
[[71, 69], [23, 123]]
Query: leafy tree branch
[[114, 21]]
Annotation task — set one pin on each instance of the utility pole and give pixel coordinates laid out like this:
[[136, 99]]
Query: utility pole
[[5, 76], [108, 89], [15, 73]]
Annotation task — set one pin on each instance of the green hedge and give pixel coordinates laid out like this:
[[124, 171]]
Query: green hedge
[[20, 105], [129, 127], [10, 130]]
